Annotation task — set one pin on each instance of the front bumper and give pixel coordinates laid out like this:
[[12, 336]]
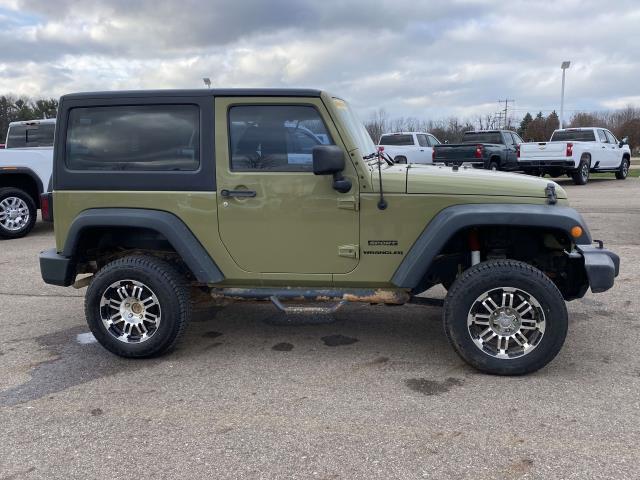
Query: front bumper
[[56, 269], [601, 265]]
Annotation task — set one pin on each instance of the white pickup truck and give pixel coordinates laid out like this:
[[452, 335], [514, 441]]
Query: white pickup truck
[[409, 147], [26, 164], [577, 152]]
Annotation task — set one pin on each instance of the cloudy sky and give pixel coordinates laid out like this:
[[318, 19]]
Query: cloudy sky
[[429, 59]]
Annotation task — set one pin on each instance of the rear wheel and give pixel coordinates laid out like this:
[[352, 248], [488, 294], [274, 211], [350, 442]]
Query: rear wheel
[[505, 317], [581, 175], [138, 306], [400, 159], [623, 171], [493, 165], [17, 213]]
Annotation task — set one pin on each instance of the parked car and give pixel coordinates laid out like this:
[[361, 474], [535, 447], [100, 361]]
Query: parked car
[[156, 194], [490, 149], [26, 163], [409, 147], [577, 152]]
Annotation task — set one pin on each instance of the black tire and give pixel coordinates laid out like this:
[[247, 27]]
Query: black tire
[[581, 174], [400, 159], [8, 193], [496, 274], [493, 165], [164, 281], [623, 171]]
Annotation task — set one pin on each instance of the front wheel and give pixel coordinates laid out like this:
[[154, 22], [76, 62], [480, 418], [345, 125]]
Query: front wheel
[[138, 306], [505, 317], [623, 171]]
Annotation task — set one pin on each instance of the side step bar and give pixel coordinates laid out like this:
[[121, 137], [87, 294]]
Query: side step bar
[[380, 295], [297, 309]]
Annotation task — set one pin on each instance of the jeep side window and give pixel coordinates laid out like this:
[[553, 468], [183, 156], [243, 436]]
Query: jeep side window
[[275, 137], [134, 138]]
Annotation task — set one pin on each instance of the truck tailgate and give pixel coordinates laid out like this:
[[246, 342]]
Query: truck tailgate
[[455, 152], [542, 150]]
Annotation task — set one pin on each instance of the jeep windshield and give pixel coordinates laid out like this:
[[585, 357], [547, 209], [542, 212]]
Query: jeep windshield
[[482, 137], [355, 126], [573, 136]]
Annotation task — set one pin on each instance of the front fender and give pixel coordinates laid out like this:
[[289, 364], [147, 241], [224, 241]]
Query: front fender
[[453, 219]]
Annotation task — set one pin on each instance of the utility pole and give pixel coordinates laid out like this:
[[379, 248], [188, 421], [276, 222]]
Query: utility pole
[[506, 101]]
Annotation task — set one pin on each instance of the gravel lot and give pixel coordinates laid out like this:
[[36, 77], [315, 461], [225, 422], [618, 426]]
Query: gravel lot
[[377, 394]]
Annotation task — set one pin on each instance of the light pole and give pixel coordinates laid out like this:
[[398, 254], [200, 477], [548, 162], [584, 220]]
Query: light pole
[[207, 82], [564, 67]]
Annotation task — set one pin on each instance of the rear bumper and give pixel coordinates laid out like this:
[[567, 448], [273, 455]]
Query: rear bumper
[[56, 269], [602, 267], [553, 163]]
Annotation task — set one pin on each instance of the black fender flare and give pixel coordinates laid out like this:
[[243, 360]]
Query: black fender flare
[[175, 231], [451, 220]]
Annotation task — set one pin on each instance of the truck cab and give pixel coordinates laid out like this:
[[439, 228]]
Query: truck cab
[[281, 196]]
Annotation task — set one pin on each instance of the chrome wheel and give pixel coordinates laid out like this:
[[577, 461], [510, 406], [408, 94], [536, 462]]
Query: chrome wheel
[[130, 311], [625, 168], [506, 323], [584, 171], [14, 214]]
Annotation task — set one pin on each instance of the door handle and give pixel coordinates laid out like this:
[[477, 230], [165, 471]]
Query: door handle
[[238, 193]]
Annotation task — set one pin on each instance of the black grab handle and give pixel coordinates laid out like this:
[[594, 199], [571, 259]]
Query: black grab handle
[[238, 193]]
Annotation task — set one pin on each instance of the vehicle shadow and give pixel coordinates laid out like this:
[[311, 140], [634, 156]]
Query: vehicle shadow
[[394, 338]]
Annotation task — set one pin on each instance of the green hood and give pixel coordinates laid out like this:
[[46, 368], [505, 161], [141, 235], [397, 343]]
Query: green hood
[[442, 180]]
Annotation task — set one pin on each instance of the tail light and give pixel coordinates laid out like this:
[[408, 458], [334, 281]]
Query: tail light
[[569, 149], [46, 206], [478, 153], [518, 151], [433, 154]]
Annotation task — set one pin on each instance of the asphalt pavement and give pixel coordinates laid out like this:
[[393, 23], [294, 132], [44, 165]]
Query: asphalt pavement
[[378, 394]]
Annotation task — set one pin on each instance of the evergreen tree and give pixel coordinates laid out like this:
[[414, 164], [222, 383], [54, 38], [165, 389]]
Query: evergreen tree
[[524, 124]]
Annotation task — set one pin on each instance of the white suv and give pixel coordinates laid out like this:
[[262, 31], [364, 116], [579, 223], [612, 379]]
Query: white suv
[[409, 147]]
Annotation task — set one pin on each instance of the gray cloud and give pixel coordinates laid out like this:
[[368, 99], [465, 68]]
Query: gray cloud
[[428, 59]]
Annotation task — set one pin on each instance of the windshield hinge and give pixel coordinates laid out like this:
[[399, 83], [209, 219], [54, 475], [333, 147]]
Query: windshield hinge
[[349, 251], [550, 192], [348, 203]]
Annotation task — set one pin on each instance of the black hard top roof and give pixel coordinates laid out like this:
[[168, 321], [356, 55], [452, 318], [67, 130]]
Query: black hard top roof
[[199, 92]]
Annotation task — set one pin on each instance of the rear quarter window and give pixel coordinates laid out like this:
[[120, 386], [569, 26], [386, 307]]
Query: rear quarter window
[[133, 138]]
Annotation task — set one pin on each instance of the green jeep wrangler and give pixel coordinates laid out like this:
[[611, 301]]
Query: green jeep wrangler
[[262, 194]]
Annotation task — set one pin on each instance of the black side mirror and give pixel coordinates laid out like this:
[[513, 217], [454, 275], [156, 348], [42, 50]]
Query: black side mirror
[[329, 160], [623, 142]]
